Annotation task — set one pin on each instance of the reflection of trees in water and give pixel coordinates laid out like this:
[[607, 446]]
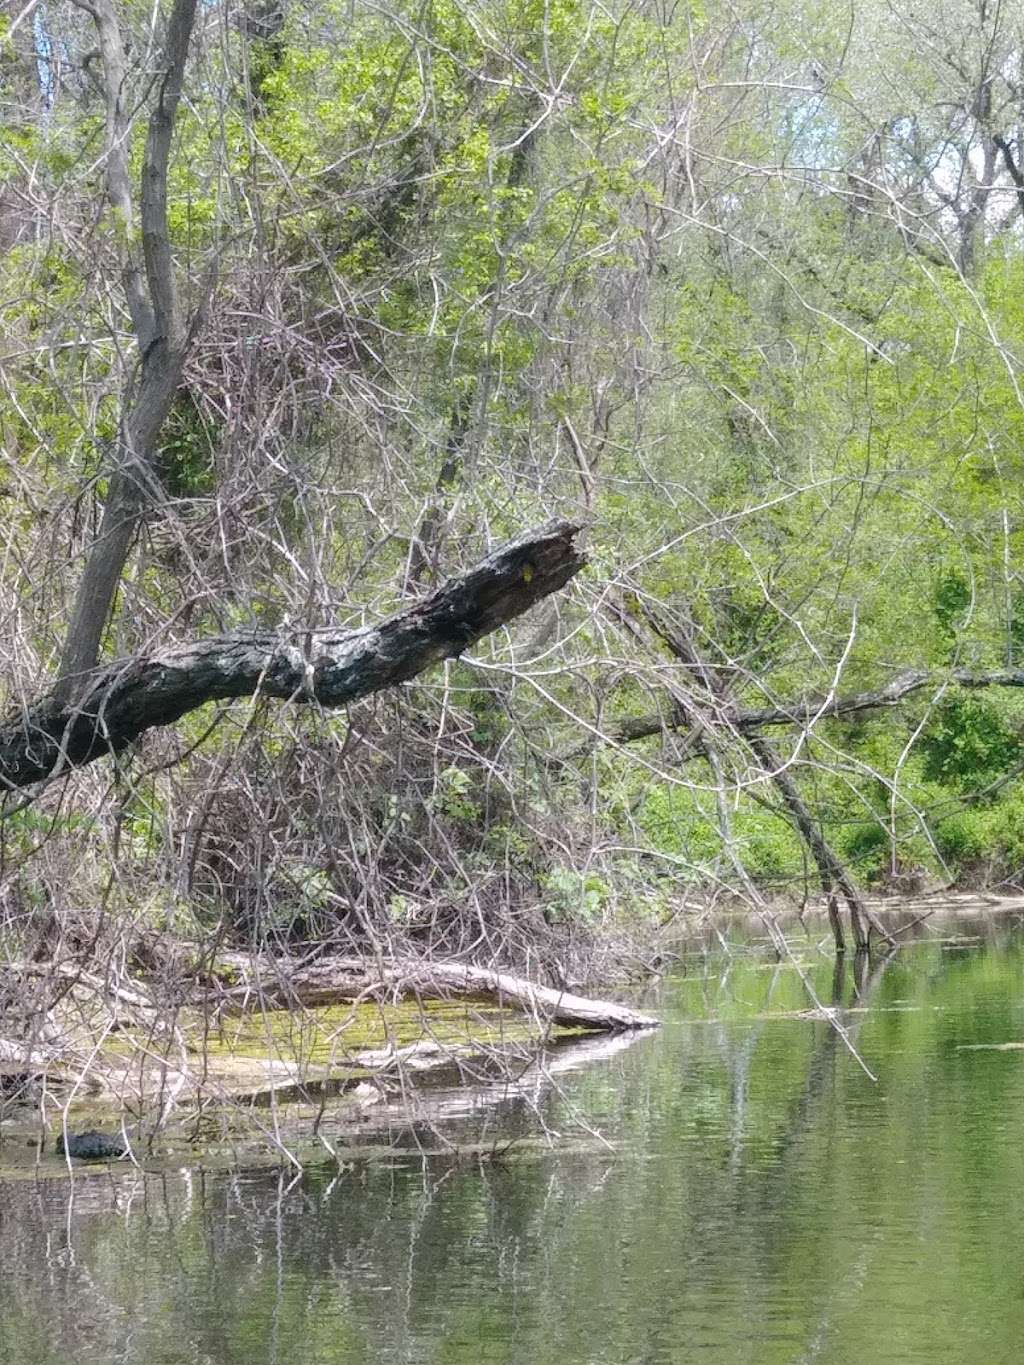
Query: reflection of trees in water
[[769, 1196], [210, 1260], [755, 1170], [853, 985]]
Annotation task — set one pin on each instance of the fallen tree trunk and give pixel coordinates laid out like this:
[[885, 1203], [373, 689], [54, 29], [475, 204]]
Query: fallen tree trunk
[[120, 701], [339, 980]]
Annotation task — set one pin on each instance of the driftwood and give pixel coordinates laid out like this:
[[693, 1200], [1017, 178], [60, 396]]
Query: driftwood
[[118, 702], [337, 980]]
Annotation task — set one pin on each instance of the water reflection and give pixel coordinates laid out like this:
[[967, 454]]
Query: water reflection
[[763, 1200]]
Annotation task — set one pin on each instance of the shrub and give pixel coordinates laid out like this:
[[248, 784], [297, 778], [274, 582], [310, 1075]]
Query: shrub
[[968, 744]]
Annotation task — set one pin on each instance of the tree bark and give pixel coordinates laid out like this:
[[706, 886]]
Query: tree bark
[[337, 979], [122, 700], [160, 331], [831, 872]]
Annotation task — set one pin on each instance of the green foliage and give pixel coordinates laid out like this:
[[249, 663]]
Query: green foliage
[[866, 844], [968, 744], [188, 444], [991, 834], [449, 238], [676, 823], [964, 838], [570, 895], [952, 599], [456, 796]]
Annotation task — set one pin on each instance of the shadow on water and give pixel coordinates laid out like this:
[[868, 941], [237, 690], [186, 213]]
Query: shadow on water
[[752, 1196]]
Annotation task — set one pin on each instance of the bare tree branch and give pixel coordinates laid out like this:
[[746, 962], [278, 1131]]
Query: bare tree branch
[[118, 129], [807, 711]]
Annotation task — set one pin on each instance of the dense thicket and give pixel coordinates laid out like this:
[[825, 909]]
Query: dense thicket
[[739, 284]]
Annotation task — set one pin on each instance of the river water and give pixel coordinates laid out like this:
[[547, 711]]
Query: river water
[[735, 1188]]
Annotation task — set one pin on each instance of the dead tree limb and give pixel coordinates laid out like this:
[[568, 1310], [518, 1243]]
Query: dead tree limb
[[807, 711], [831, 871], [700, 716], [333, 980], [122, 700]]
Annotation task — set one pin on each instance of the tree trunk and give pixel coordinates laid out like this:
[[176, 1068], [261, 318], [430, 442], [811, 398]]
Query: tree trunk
[[831, 871], [131, 490], [160, 330]]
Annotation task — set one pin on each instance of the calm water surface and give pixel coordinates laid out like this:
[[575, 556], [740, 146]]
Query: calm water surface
[[763, 1201]]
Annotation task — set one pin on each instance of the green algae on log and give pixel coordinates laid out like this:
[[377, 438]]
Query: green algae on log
[[245, 1058], [342, 1025], [346, 1044], [350, 1033]]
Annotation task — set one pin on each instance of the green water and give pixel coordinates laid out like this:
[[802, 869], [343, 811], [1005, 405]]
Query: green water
[[763, 1201]]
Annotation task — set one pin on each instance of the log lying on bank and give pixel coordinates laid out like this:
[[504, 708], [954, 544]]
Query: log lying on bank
[[111, 706], [343, 980]]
